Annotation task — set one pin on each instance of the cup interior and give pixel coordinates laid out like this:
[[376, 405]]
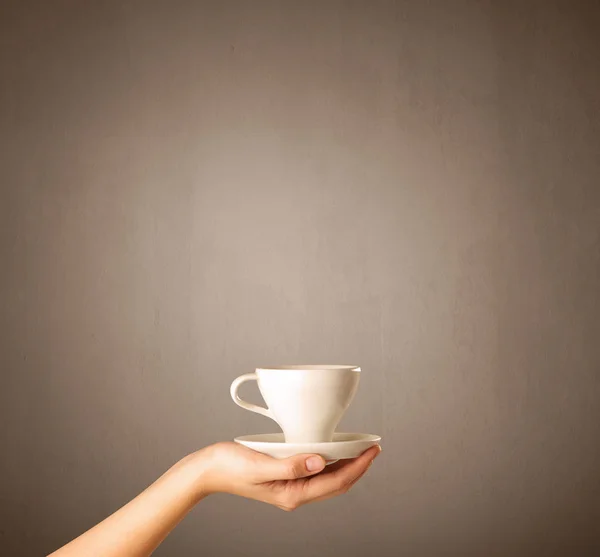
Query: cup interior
[[311, 367]]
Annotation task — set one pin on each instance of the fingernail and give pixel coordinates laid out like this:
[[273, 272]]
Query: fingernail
[[314, 463]]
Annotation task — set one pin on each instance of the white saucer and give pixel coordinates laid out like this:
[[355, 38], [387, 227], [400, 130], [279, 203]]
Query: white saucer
[[344, 445]]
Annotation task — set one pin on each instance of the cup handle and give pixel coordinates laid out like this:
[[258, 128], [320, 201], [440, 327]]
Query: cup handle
[[247, 405]]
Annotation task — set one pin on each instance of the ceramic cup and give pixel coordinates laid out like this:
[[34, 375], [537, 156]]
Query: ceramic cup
[[307, 401]]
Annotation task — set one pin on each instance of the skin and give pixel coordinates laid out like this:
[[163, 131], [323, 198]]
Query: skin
[[139, 527]]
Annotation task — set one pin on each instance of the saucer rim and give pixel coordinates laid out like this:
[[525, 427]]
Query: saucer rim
[[331, 451], [361, 438]]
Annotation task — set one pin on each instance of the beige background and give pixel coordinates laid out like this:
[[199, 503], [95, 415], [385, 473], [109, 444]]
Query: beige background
[[193, 189]]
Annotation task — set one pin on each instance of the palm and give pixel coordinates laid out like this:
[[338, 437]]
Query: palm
[[283, 483]]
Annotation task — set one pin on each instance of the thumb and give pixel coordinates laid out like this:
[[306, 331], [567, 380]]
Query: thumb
[[294, 467]]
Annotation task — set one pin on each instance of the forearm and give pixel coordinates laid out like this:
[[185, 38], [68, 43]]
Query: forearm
[[139, 527]]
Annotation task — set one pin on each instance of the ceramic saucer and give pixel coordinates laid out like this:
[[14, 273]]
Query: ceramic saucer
[[344, 445]]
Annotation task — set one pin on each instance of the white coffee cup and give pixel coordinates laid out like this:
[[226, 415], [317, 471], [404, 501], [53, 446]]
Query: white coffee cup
[[307, 401]]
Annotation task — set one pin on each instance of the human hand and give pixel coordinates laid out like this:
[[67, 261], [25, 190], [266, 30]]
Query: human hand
[[286, 483], [138, 527]]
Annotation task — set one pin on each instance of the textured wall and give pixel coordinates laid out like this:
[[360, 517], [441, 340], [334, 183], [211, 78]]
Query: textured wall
[[193, 189]]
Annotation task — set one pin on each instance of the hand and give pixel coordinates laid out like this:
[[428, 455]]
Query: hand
[[137, 528], [287, 483]]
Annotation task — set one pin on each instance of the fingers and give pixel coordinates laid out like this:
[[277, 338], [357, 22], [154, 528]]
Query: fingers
[[293, 468], [340, 478]]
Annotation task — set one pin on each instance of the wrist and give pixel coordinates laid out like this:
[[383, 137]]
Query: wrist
[[194, 468]]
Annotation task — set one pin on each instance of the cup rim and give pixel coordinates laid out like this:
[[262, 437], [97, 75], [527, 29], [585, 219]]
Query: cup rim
[[311, 367]]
